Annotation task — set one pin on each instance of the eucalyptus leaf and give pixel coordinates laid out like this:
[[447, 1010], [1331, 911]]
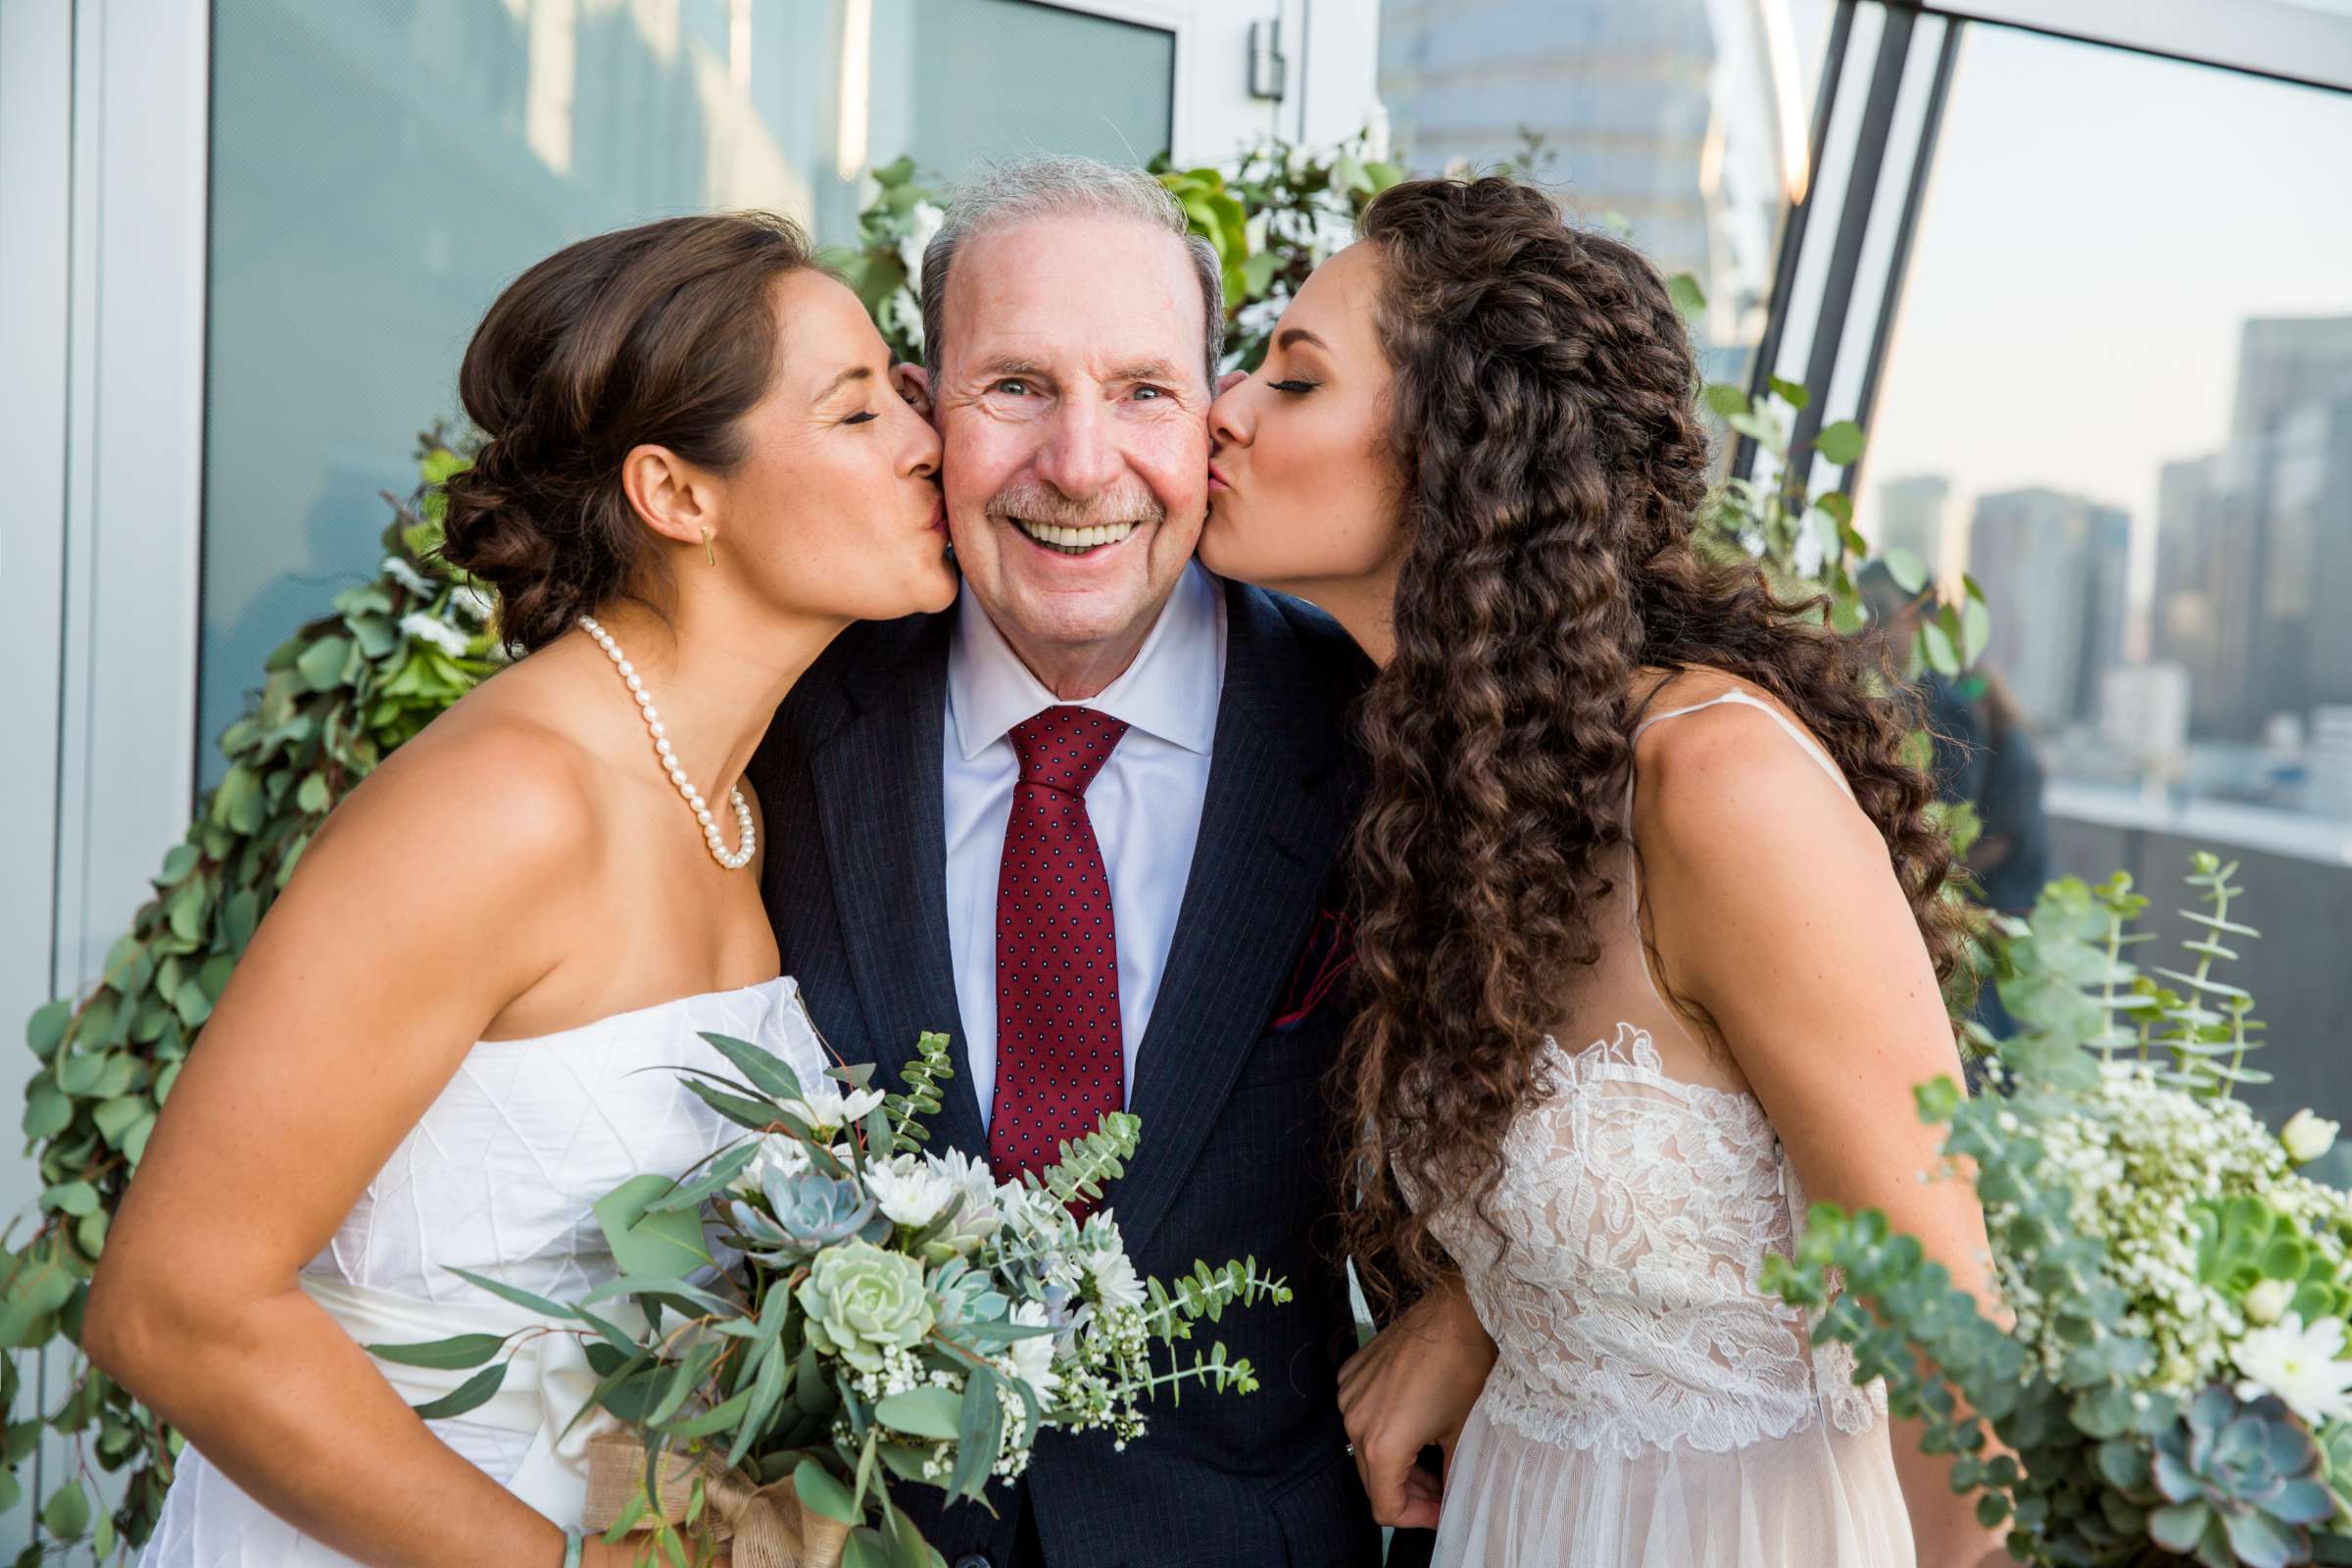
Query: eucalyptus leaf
[[661, 1246], [470, 1395], [820, 1492], [768, 1073], [929, 1411], [66, 1513], [451, 1354], [1839, 443]]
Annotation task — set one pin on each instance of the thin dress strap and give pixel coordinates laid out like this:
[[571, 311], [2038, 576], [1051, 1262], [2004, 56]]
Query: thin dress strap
[[1806, 742]]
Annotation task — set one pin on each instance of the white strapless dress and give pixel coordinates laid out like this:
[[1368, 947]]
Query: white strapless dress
[[499, 1178]]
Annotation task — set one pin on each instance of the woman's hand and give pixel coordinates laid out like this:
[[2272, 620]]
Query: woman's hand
[[1411, 1387]]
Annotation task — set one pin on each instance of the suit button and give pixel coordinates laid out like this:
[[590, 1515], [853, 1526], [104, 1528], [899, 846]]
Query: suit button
[[975, 1560]]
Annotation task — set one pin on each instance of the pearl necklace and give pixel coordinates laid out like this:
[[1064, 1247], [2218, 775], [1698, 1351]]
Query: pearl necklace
[[749, 839]]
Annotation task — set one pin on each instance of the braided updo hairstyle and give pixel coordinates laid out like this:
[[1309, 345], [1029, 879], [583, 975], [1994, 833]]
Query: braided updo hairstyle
[[1553, 466], [665, 335]]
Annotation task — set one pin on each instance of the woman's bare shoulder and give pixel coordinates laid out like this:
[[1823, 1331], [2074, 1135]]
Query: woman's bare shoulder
[[490, 781]]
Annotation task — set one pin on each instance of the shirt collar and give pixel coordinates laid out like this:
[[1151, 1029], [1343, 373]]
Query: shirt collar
[[1170, 691]]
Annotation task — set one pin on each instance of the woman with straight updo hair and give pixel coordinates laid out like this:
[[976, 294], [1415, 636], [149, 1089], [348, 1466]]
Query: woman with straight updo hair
[[1650, 942], [456, 1028]]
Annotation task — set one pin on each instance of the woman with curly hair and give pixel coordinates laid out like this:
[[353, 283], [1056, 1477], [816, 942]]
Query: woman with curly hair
[[1651, 933]]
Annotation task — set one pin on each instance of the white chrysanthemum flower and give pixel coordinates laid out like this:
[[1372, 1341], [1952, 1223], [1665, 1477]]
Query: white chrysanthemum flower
[[408, 576], [827, 1105], [2307, 1137], [1033, 1357], [978, 1219], [422, 626], [1115, 1281], [780, 1154], [471, 603], [910, 1194], [2304, 1366]]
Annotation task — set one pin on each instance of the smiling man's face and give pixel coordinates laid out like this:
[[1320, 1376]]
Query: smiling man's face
[[1072, 399]]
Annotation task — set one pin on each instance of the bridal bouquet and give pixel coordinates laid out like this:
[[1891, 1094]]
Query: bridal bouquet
[[887, 1313], [2177, 1385]]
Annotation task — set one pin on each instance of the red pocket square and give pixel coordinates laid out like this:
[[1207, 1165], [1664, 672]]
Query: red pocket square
[[1322, 969]]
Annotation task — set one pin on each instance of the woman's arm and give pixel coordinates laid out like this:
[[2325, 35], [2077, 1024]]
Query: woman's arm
[[1774, 909], [428, 901], [1410, 1388]]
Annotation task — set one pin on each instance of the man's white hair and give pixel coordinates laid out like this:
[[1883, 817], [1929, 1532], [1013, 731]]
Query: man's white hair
[[1051, 186]]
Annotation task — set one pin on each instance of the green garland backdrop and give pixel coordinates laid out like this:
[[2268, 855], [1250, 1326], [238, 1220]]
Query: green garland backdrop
[[349, 687]]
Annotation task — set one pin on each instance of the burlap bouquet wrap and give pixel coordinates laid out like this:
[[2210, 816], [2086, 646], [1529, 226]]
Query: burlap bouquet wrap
[[761, 1527]]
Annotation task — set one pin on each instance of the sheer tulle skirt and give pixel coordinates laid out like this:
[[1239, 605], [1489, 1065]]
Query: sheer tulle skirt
[[1816, 1498]]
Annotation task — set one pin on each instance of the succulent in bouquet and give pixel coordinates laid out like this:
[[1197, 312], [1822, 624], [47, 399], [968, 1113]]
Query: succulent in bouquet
[[2173, 1384], [826, 1307]]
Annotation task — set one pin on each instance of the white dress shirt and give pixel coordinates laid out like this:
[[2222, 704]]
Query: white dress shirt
[[1144, 804]]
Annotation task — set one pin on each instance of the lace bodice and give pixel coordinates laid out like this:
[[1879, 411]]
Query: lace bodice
[[1640, 1206], [1627, 1312]]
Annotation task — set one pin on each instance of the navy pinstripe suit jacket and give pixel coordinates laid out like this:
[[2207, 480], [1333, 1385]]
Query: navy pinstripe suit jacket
[[1234, 1133]]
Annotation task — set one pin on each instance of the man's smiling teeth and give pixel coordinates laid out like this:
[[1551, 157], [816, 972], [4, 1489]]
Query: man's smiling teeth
[[1044, 533]]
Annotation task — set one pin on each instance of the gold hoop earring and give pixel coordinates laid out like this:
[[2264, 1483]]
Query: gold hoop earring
[[709, 552]]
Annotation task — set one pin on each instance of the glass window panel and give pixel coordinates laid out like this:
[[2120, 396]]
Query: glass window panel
[[1688, 119], [2119, 395], [381, 167]]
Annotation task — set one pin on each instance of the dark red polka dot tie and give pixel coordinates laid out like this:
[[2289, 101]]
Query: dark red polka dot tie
[[1059, 1061]]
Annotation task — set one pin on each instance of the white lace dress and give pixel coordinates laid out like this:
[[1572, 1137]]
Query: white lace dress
[[497, 1178], [1651, 1407]]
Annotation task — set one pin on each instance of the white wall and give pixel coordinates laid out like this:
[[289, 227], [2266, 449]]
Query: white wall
[[102, 182]]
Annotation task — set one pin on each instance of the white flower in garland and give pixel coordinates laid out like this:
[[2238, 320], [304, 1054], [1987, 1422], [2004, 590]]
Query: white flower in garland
[[910, 1194], [827, 1106], [471, 603], [2304, 1366], [426, 628], [408, 576], [922, 224], [903, 313]]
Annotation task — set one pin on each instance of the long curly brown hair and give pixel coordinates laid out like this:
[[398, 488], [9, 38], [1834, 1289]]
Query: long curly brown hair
[[1552, 464]]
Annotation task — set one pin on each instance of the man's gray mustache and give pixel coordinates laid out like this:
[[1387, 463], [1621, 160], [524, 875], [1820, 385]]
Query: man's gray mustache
[[1041, 505]]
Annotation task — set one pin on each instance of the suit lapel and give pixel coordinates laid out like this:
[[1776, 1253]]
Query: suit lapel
[[1269, 827], [890, 887]]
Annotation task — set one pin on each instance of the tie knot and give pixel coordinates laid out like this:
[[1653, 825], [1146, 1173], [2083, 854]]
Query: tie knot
[[1063, 748]]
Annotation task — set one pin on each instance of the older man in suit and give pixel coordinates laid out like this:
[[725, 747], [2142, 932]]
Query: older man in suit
[[1090, 821]]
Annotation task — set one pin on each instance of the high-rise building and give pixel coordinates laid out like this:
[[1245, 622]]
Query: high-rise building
[[1683, 116], [2285, 363], [2056, 568], [2254, 542], [1910, 516]]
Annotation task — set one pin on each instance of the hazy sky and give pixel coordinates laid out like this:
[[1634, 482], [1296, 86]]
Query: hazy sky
[[2097, 226]]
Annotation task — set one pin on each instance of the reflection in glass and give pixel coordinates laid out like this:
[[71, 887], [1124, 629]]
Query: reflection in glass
[[1685, 120], [2126, 408], [381, 167]]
